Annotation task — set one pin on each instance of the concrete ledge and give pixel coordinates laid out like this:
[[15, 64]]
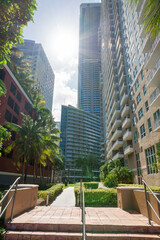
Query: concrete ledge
[[26, 198], [133, 198]]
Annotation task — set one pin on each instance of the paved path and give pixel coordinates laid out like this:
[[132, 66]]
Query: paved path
[[65, 199], [101, 185]]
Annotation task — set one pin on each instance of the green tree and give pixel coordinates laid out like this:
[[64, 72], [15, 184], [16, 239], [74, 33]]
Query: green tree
[[151, 16], [4, 133], [14, 15]]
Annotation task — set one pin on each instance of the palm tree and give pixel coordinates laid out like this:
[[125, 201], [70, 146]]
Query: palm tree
[[28, 144], [151, 16]]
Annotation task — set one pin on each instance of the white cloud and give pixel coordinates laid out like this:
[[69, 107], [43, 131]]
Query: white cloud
[[63, 94]]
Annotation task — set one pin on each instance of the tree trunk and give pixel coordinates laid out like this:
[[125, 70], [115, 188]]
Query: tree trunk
[[23, 171], [26, 170]]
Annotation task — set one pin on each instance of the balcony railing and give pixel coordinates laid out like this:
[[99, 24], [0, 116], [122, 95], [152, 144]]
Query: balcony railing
[[128, 150], [154, 95], [157, 125], [125, 110], [127, 135], [126, 121], [154, 71], [152, 49]]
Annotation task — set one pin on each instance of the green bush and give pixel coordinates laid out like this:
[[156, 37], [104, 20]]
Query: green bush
[[98, 197], [91, 185], [45, 186], [54, 191], [124, 175], [111, 180]]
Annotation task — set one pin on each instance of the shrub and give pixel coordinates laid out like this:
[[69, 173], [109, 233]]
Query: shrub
[[45, 186], [91, 185], [98, 197], [124, 175], [111, 180], [54, 191]]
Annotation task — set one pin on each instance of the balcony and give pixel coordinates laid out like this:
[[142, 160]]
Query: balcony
[[153, 56], [115, 105], [128, 150], [118, 156], [116, 124], [124, 99], [125, 111], [121, 68], [122, 78], [126, 123], [153, 78], [120, 60], [127, 135], [117, 144], [115, 115], [116, 134], [123, 89], [157, 125], [155, 98], [138, 6]]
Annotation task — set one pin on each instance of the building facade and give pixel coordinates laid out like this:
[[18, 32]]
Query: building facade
[[42, 71], [81, 135], [130, 67], [89, 62]]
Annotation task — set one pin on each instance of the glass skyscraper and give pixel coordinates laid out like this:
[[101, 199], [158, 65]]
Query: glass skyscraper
[[89, 62]]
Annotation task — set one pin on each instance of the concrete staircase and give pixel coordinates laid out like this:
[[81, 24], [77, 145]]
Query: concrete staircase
[[62, 223], [41, 231]]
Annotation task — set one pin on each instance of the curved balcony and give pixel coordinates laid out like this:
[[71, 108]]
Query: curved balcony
[[128, 150], [118, 155], [126, 123], [125, 111], [127, 135]]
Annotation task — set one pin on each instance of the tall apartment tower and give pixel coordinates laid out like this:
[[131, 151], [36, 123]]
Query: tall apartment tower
[[42, 71], [116, 80], [144, 70], [89, 62], [130, 66]]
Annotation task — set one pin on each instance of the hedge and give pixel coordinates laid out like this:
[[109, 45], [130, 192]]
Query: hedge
[[91, 185], [97, 197], [54, 191], [153, 188]]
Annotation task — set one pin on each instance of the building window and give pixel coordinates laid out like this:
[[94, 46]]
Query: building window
[[13, 89], [142, 75], [136, 85], [146, 105], [156, 115], [136, 36], [8, 116], [142, 131], [10, 102], [150, 159], [139, 169], [133, 107], [144, 90], [135, 137], [140, 61], [140, 113], [138, 98], [18, 96], [14, 120], [134, 121], [138, 47], [2, 74], [149, 125], [16, 108]]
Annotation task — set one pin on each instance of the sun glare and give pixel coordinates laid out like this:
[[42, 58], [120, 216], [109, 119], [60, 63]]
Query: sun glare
[[65, 45]]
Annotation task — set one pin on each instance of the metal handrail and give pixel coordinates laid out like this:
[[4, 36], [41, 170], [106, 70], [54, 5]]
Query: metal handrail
[[148, 202], [82, 206], [13, 197], [83, 218]]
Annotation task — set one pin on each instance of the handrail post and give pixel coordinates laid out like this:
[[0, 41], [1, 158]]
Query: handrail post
[[149, 220], [84, 223], [14, 201], [81, 197]]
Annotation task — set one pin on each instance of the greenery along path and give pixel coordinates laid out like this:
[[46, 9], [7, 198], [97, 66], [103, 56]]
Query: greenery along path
[[65, 199]]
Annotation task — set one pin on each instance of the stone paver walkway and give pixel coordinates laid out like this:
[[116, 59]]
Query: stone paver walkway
[[72, 215], [101, 185], [65, 199]]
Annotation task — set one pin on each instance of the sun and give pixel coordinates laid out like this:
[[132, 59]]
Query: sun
[[65, 44]]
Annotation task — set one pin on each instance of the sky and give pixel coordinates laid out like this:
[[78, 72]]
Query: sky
[[56, 27]]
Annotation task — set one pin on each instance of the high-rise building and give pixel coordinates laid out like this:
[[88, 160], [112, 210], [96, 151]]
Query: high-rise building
[[89, 62], [130, 67], [42, 71], [81, 135]]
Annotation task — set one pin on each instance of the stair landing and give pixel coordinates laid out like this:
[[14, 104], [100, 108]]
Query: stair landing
[[65, 223]]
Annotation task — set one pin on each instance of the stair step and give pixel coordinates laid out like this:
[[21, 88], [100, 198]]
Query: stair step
[[90, 228], [27, 235]]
